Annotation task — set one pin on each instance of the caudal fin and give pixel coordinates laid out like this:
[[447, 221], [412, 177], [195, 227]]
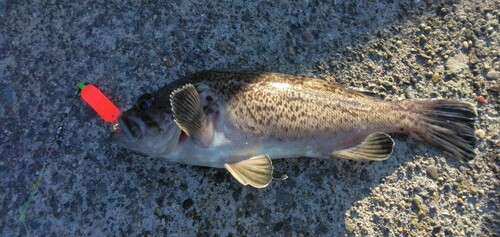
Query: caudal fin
[[449, 125]]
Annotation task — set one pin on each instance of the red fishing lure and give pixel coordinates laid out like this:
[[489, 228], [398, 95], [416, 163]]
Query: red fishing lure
[[100, 103]]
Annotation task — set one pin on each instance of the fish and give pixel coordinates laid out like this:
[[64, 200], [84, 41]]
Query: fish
[[241, 120]]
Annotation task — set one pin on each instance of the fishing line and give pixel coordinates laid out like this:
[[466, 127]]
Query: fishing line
[[48, 152]]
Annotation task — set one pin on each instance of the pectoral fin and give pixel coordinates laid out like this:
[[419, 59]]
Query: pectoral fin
[[376, 146], [189, 115], [256, 171]]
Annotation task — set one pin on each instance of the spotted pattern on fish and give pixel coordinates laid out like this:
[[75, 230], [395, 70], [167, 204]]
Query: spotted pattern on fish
[[282, 115], [283, 106]]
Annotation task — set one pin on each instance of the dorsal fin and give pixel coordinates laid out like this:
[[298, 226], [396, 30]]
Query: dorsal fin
[[366, 92], [376, 146], [189, 115]]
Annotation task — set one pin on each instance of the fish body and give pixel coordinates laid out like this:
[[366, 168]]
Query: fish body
[[240, 120]]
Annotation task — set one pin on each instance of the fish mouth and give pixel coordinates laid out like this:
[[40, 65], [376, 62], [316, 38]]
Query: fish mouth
[[131, 127]]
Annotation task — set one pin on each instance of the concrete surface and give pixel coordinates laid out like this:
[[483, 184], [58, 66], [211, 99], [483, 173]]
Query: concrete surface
[[89, 187]]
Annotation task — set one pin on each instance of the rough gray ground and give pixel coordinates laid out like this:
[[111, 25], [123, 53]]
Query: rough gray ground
[[400, 48]]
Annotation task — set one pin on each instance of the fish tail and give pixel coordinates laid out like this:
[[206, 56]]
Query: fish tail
[[447, 124]]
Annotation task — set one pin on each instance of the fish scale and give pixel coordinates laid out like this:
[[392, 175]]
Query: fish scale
[[301, 110]]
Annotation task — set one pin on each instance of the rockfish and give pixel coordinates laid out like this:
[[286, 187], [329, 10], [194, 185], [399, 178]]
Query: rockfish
[[240, 120]]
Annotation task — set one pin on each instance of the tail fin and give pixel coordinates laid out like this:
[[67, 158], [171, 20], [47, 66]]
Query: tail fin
[[449, 125]]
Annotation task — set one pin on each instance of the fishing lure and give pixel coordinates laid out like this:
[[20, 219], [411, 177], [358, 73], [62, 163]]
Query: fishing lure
[[101, 104]]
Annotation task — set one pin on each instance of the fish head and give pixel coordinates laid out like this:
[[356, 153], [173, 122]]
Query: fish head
[[148, 127]]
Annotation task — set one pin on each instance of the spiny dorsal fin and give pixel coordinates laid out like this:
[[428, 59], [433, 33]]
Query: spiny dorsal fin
[[366, 92], [376, 146], [256, 171], [189, 115]]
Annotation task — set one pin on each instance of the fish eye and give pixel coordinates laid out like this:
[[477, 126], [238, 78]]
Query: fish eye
[[145, 101]]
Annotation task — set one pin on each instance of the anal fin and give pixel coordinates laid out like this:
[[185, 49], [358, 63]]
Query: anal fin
[[376, 146], [256, 171]]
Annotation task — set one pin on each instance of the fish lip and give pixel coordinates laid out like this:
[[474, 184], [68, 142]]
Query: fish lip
[[124, 129], [130, 129]]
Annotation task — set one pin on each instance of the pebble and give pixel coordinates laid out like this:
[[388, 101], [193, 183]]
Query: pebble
[[431, 188], [187, 203], [480, 133], [223, 46], [409, 93], [481, 99], [486, 65], [307, 36], [168, 61], [435, 77], [422, 39], [465, 45], [492, 75], [456, 64], [424, 56], [432, 171], [476, 176]]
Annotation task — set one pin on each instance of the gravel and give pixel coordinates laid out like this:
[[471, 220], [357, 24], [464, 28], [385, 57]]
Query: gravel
[[88, 186]]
